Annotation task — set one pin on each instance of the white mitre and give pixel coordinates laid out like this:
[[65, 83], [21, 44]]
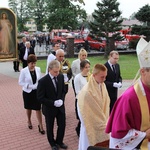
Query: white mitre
[[143, 53]]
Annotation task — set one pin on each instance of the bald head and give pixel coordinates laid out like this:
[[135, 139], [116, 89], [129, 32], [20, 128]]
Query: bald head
[[60, 55]]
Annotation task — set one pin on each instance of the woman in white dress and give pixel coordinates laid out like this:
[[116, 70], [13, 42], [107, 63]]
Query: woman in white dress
[[80, 80]]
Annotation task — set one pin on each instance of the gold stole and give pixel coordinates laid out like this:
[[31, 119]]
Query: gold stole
[[145, 123]]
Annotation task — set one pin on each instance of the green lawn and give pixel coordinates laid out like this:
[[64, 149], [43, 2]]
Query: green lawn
[[128, 64]]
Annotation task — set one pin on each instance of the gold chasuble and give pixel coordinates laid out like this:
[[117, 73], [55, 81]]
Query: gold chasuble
[[145, 121], [93, 103]]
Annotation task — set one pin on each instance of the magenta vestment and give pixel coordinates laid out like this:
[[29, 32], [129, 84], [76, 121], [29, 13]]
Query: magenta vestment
[[126, 113]]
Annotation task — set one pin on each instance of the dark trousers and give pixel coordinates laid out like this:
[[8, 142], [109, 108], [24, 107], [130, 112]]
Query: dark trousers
[[76, 111], [73, 87], [16, 65], [66, 88], [24, 63], [61, 123], [77, 116]]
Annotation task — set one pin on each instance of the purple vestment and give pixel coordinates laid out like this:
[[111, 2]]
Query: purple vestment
[[126, 113]]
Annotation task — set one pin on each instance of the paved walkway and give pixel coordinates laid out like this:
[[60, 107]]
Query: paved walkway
[[14, 133]]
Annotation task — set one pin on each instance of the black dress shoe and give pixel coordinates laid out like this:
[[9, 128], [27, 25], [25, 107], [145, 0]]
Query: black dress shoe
[[30, 126], [63, 146], [77, 131], [54, 148]]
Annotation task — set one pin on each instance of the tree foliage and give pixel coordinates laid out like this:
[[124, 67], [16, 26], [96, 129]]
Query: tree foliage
[[54, 13], [37, 11], [19, 7], [141, 30], [143, 15], [80, 1], [107, 20], [64, 15]]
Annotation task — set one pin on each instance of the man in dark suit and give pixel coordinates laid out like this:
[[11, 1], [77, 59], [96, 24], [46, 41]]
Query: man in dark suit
[[51, 93], [25, 51], [47, 39], [16, 62], [113, 79], [32, 41], [22, 44]]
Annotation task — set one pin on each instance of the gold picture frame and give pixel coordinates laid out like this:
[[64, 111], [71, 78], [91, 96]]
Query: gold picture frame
[[8, 35]]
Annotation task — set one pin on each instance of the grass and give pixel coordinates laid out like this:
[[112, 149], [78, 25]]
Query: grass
[[128, 64]]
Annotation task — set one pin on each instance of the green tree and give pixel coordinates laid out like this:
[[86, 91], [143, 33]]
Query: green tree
[[37, 10], [80, 1], [54, 13], [107, 20], [143, 15], [64, 15], [20, 8]]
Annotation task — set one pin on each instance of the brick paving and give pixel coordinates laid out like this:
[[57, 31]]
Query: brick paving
[[14, 133]]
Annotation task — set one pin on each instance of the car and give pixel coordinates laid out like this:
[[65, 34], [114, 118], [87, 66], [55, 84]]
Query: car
[[96, 45], [58, 34], [122, 45], [78, 44]]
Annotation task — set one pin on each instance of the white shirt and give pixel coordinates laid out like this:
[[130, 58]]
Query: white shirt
[[75, 67], [110, 65], [49, 59], [26, 54], [79, 82]]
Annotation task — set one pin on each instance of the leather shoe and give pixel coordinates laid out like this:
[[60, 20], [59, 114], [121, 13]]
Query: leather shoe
[[63, 146], [77, 131], [30, 126], [54, 148]]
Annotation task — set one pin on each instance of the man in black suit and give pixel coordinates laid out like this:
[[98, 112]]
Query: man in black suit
[[47, 39], [22, 44], [51, 93], [32, 41], [16, 62], [113, 79], [25, 51]]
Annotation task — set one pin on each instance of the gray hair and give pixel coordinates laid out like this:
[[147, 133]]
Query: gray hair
[[26, 43], [54, 64], [59, 51]]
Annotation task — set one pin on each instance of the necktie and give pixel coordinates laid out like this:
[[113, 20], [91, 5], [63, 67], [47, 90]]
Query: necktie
[[56, 83], [113, 68]]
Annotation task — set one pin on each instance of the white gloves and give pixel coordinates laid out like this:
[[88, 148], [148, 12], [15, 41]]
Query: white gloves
[[117, 85], [58, 103], [120, 84]]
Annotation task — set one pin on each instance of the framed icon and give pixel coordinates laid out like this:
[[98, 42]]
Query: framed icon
[[8, 35]]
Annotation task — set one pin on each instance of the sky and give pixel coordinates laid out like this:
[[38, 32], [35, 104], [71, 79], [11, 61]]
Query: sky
[[128, 7]]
